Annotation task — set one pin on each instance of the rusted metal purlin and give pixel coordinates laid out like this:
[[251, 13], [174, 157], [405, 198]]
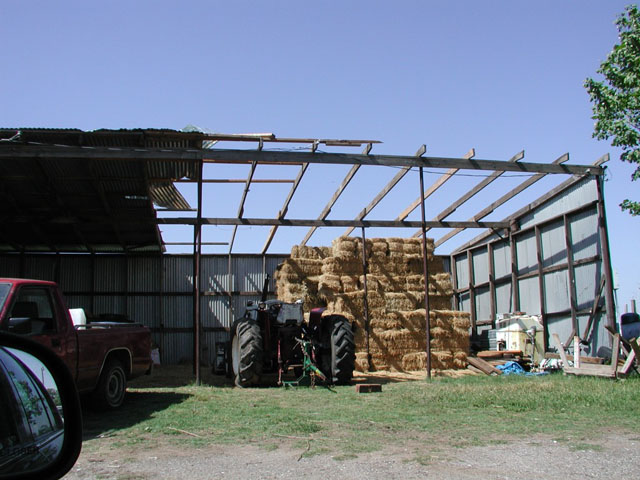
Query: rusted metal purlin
[[367, 322], [471, 193], [285, 207], [549, 195], [383, 193], [345, 182], [502, 200], [241, 207], [425, 267], [235, 180]]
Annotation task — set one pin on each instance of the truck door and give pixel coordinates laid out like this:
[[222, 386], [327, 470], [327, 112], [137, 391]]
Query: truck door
[[34, 313]]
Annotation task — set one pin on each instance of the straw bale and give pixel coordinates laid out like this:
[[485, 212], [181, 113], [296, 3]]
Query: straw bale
[[418, 361], [379, 246], [403, 301], [303, 267], [339, 266], [462, 320], [362, 362], [350, 283], [439, 283], [439, 303], [400, 341], [460, 360], [302, 251], [329, 282], [387, 323]]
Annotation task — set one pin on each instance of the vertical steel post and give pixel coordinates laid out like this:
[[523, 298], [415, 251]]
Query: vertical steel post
[[197, 251], [365, 300], [606, 255], [425, 267]]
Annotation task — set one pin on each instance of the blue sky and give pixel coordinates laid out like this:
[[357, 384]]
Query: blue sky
[[497, 76]]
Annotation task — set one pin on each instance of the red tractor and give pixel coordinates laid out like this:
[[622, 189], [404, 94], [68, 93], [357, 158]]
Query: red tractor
[[273, 337]]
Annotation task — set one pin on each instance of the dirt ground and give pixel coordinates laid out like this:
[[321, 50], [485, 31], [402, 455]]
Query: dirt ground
[[612, 457]]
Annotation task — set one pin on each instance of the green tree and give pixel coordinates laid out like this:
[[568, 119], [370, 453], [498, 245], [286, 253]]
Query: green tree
[[616, 99]]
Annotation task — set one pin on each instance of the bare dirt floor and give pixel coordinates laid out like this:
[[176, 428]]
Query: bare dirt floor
[[616, 457]]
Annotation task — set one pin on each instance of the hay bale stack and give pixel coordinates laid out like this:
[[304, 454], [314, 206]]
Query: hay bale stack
[[333, 277]]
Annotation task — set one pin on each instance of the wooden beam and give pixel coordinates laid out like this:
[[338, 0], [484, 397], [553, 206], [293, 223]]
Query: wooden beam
[[532, 206], [285, 207], [432, 189], [503, 199], [471, 193], [483, 366], [383, 193], [345, 182]]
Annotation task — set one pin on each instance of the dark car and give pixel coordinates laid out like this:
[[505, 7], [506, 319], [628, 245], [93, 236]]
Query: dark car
[[31, 427]]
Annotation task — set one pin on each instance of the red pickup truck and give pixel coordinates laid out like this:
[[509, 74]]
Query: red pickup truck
[[101, 356]]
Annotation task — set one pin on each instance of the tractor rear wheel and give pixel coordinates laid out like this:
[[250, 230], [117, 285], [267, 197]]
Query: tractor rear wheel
[[343, 350], [246, 352]]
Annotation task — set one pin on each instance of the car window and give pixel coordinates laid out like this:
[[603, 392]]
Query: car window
[[39, 412], [34, 307]]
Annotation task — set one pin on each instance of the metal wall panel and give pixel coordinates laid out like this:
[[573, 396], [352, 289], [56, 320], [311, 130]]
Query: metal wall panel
[[144, 274], [79, 301], [483, 304], [556, 286], [215, 274], [40, 267], [215, 311], [110, 273], [110, 304], [462, 270], [529, 296], [554, 247], [76, 273], [177, 311], [587, 278], [10, 266], [248, 274], [504, 298], [584, 235], [573, 198], [480, 259], [526, 253], [177, 274], [501, 259], [144, 310]]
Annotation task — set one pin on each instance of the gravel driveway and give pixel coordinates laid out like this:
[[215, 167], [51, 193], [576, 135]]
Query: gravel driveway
[[612, 456]]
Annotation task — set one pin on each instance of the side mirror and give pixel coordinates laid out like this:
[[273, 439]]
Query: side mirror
[[40, 418]]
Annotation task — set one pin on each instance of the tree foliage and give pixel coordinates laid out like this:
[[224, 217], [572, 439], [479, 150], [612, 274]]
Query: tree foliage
[[616, 99]]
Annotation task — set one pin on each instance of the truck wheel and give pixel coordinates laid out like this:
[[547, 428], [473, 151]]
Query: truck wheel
[[246, 353], [109, 393], [343, 350]]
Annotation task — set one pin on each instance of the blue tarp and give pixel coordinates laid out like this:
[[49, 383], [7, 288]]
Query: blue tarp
[[514, 368]]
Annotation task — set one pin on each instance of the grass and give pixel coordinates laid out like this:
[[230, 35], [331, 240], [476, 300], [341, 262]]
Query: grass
[[473, 410]]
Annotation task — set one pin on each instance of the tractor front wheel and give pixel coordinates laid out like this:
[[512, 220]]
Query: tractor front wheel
[[246, 353]]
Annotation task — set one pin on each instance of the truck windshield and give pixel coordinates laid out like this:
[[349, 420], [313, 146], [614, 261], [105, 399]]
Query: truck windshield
[[4, 292]]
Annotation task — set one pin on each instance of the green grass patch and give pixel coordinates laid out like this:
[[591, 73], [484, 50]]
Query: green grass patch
[[462, 412]]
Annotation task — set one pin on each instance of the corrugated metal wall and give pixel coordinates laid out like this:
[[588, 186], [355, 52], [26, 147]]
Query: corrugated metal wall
[[156, 291], [559, 241]]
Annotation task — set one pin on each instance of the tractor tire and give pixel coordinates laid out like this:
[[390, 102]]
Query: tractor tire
[[112, 386], [343, 350], [246, 353]]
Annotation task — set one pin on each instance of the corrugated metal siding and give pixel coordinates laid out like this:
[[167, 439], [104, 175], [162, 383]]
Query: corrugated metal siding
[[483, 303], [215, 274], [462, 270], [111, 274], [575, 197], [526, 253], [584, 235], [178, 274], [40, 267], [144, 309], [554, 248], [587, 278], [480, 259], [504, 298], [556, 286], [501, 259], [144, 274], [10, 266], [529, 296], [76, 273], [177, 312]]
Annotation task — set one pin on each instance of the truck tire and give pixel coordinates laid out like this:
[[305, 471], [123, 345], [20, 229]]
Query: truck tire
[[111, 388], [246, 353], [343, 350]]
